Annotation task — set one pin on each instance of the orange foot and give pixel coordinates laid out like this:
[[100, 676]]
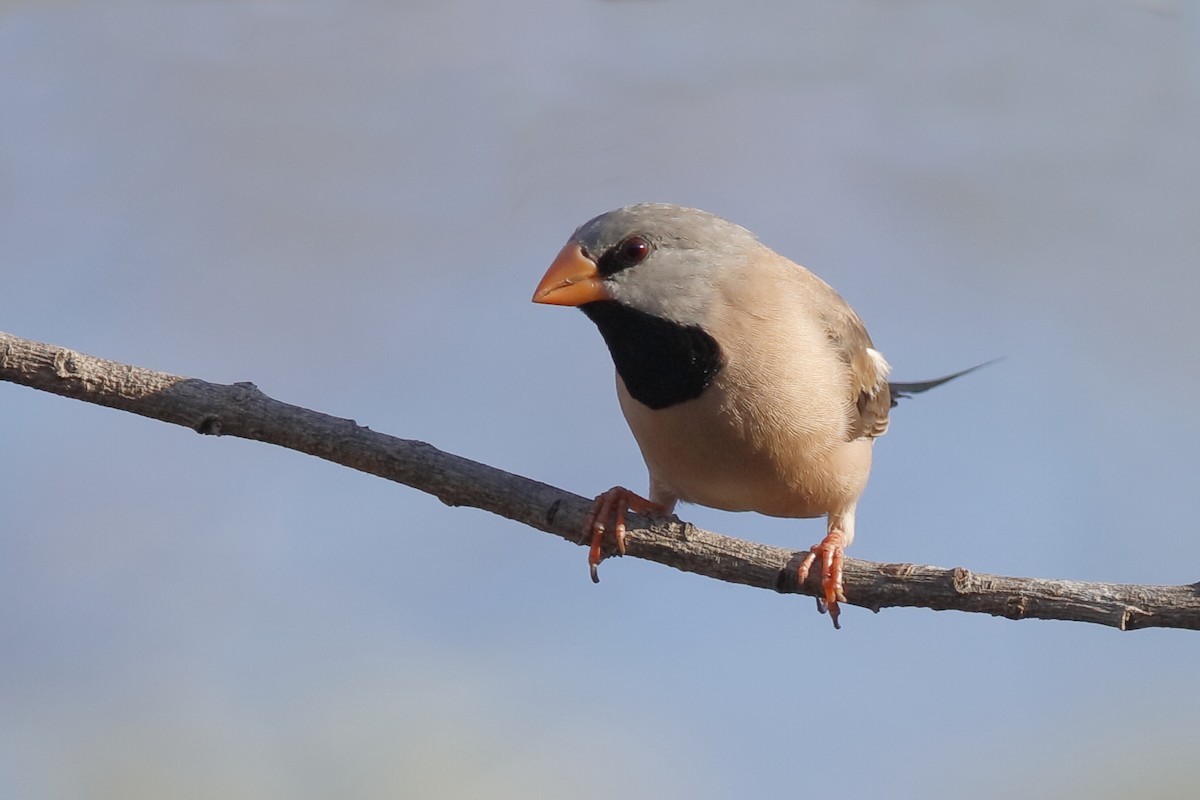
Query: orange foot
[[830, 550], [609, 511]]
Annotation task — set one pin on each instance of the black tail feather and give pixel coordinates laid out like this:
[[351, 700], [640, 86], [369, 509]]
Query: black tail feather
[[900, 390]]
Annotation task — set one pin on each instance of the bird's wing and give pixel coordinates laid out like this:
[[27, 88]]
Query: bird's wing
[[870, 394]]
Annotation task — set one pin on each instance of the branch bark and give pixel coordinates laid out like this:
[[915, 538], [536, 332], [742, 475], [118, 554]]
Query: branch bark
[[242, 410]]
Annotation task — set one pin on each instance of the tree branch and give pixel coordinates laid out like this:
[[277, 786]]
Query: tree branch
[[244, 411]]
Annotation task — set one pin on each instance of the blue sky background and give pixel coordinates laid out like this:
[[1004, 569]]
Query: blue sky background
[[350, 204]]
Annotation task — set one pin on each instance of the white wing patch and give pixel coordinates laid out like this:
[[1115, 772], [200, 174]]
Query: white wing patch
[[882, 368]]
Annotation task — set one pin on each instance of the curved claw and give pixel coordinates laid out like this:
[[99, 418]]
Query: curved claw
[[608, 512], [831, 550]]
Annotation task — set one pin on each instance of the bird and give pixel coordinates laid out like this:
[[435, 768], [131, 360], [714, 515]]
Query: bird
[[749, 384]]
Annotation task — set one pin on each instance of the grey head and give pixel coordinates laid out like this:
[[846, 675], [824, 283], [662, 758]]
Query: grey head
[[689, 252]]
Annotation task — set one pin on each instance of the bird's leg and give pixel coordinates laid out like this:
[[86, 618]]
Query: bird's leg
[[830, 551], [609, 510]]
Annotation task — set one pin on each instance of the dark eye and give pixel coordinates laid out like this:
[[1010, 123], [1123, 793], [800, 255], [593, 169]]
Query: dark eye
[[633, 250]]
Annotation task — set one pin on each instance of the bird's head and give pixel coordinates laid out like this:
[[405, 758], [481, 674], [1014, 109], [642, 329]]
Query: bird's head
[[660, 259]]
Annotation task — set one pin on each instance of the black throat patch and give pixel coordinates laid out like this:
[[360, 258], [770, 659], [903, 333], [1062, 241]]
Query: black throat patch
[[661, 362]]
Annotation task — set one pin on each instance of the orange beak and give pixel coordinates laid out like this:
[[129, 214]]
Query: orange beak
[[572, 280]]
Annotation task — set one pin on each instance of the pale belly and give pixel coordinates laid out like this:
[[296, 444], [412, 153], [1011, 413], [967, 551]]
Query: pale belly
[[728, 455]]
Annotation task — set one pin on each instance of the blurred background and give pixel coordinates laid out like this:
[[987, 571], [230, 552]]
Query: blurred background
[[350, 205]]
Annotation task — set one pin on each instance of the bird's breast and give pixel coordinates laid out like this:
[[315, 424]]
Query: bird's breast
[[738, 451]]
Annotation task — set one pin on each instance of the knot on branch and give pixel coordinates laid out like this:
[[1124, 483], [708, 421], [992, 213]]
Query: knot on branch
[[962, 580], [65, 365], [243, 391], [210, 425], [1131, 618]]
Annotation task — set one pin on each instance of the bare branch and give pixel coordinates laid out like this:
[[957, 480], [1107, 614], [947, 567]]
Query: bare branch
[[242, 410]]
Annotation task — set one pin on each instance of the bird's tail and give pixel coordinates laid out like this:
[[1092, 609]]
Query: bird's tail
[[900, 390]]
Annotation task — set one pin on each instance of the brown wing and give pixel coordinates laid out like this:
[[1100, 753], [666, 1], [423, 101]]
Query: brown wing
[[868, 386]]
